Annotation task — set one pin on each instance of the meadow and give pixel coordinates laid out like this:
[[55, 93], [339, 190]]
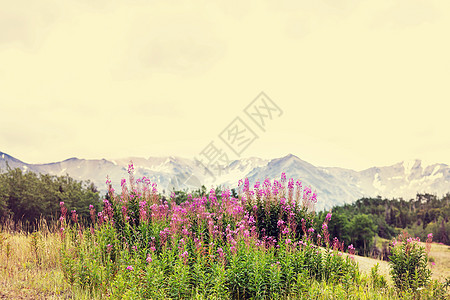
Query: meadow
[[259, 245]]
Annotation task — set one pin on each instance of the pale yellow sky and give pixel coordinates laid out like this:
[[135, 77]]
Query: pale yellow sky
[[360, 82]]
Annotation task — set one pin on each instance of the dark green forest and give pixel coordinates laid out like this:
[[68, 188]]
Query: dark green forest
[[362, 222], [27, 197]]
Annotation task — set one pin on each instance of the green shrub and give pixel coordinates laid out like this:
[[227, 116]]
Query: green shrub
[[409, 263]]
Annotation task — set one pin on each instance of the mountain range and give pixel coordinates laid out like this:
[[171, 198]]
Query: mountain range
[[334, 186]]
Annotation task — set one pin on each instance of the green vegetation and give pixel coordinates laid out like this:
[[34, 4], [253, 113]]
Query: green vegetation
[[359, 223], [409, 263], [264, 242], [26, 197]]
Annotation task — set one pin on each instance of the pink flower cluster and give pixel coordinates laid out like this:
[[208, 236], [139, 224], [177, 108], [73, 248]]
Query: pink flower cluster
[[216, 222]]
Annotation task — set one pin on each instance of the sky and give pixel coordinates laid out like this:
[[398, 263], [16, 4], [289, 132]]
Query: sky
[[356, 83]]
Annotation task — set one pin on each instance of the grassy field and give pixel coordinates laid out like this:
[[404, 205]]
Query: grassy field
[[438, 252], [30, 267], [441, 269], [30, 264]]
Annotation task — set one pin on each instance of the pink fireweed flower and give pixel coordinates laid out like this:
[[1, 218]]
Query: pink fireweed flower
[[291, 183], [130, 268], [125, 212], [212, 197], [92, 213], [107, 208], [326, 234], [225, 194], [328, 217], [149, 258], [314, 197], [280, 223], [336, 244], [428, 242], [306, 193], [142, 210], [351, 249], [109, 248], [130, 168], [100, 218], [74, 216], [63, 212], [123, 182], [184, 256], [303, 225], [246, 185], [275, 187], [221, 255], [319, 239], [310, 232]]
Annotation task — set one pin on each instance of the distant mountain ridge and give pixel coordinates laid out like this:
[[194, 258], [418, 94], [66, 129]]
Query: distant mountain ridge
[[335, 186]]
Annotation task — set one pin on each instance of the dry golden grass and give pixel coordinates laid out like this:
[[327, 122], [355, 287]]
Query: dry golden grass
[[441, 256], [29, 265]]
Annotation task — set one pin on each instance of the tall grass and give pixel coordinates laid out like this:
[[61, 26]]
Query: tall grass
[[30, 262], [260, 245]]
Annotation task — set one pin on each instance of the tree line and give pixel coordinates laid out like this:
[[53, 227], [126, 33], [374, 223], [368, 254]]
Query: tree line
[[27, 197], [361, 222]]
